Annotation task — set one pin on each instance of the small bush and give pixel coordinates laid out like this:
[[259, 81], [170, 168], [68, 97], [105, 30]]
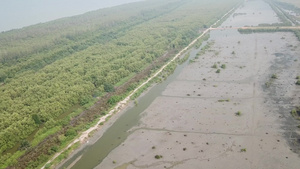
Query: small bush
[[295, 112], [268, 84], [54, 148], [274, 76], [109, 87], [24, 145], [298, 82], [239, 113], [114, 99], [135, 102], [223, 66], [224, 100], [218, 71], [71, 132], [243, 150], [191, 61], [158, 156], [85, 100], [215, 66], [36, 119]]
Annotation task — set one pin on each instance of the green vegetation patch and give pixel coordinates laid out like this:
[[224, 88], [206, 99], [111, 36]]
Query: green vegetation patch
[[296, 112], [238, 113], [52, 68], [223, 66], [158, 156], [224, 100], [215, 66], [274, 76]]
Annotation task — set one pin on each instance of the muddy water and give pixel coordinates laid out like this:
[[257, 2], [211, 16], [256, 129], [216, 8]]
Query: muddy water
[[92, 155]]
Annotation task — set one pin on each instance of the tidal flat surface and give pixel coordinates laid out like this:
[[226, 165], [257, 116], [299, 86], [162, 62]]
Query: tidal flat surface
[[195, 123]]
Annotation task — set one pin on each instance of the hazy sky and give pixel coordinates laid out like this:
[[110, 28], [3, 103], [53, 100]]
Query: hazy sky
[[19, 13]]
